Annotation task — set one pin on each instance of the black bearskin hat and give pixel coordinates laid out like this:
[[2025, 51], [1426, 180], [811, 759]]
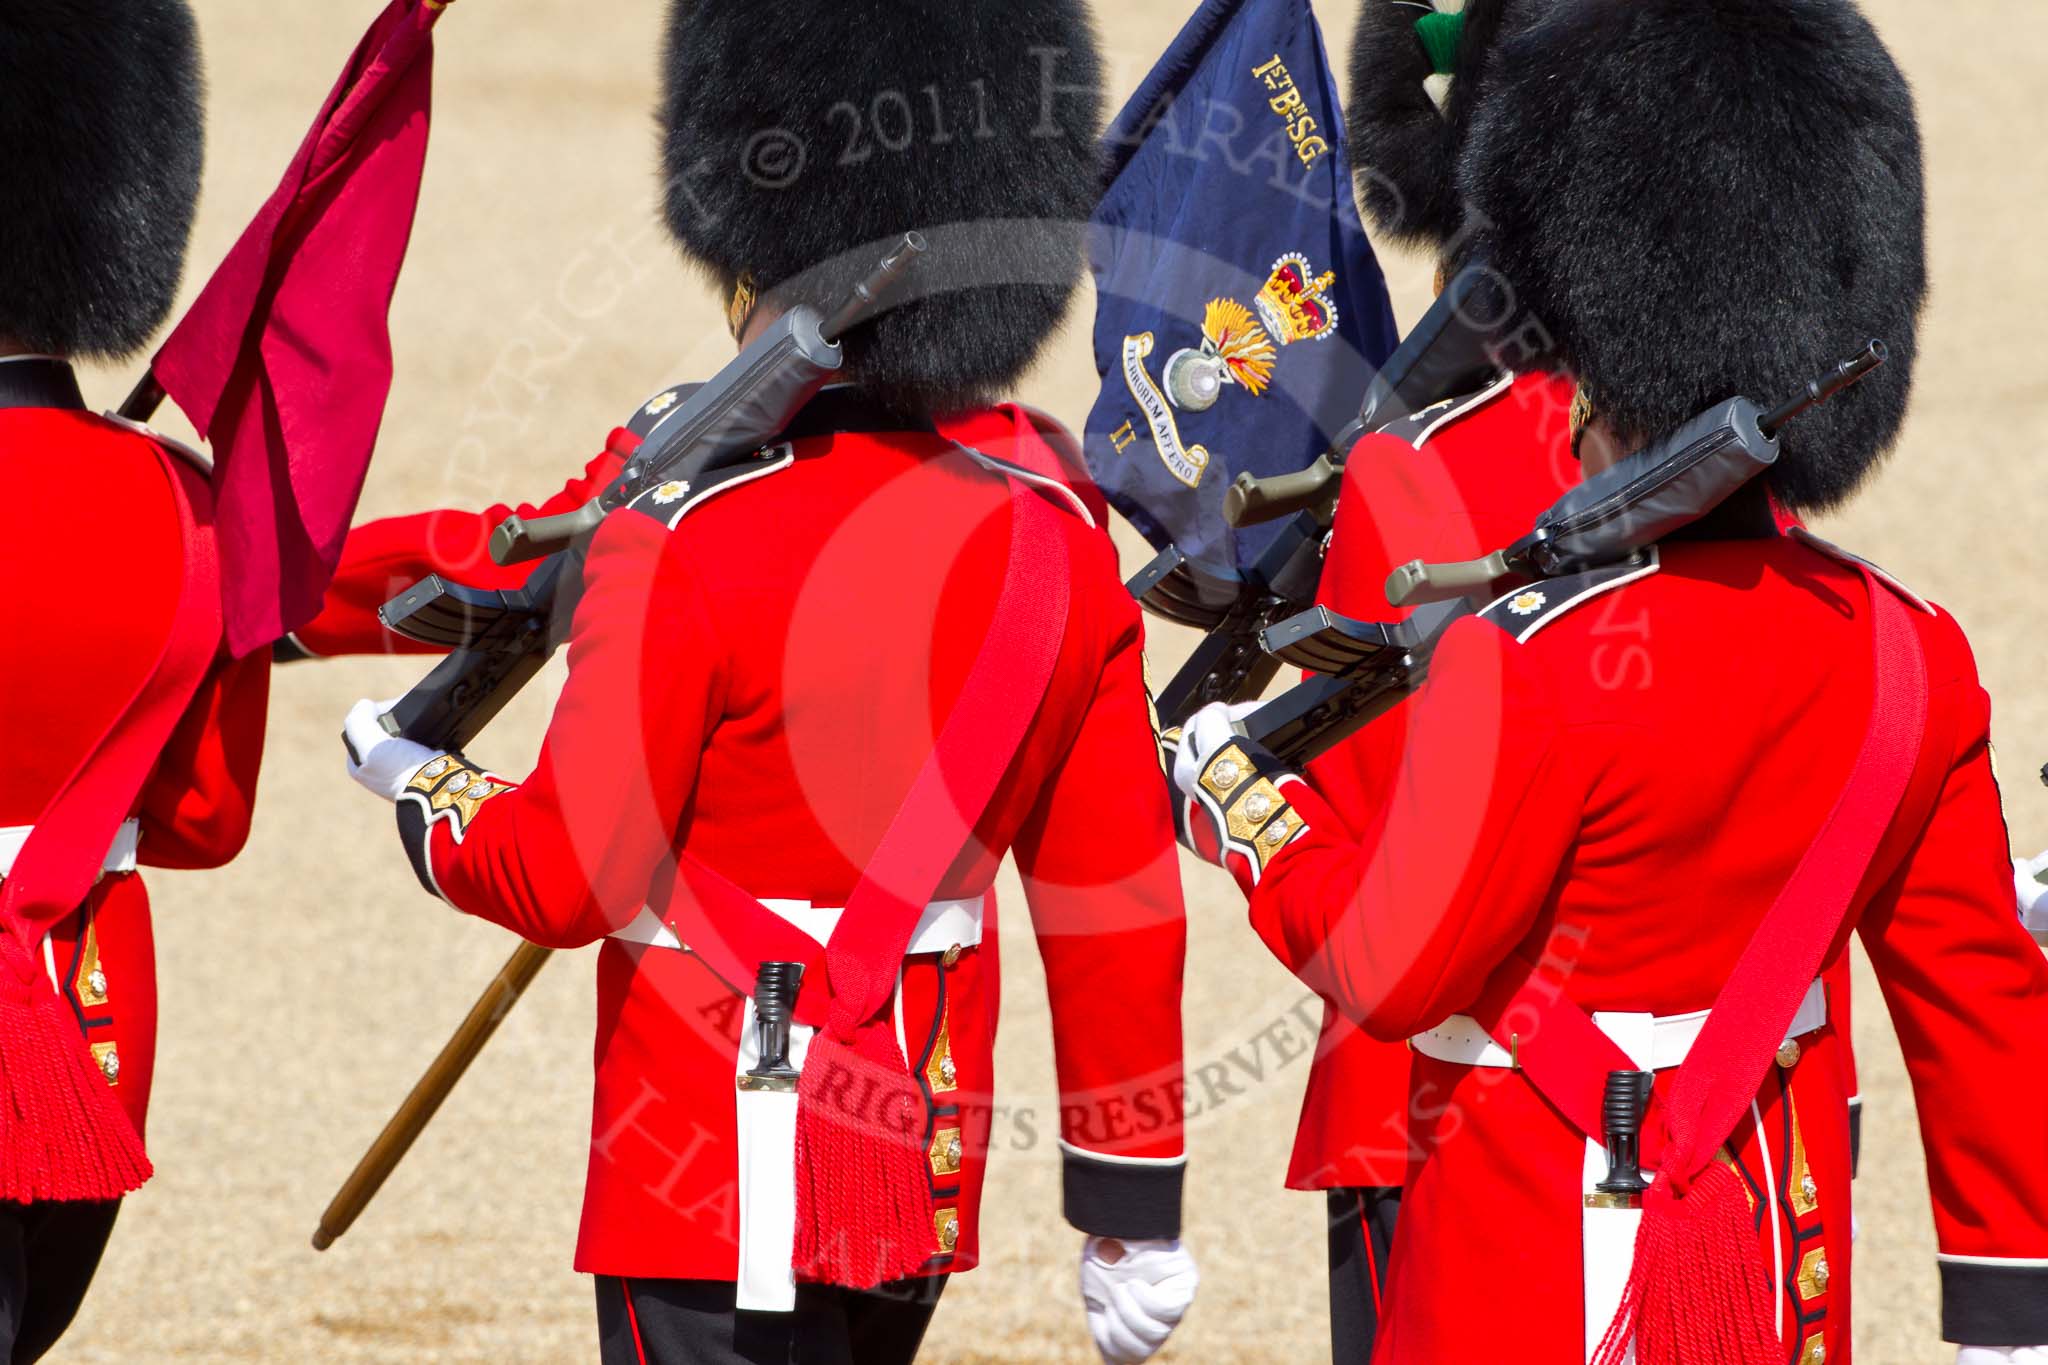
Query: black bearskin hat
[[100, 148], [1403, 145], [1704, 198], [800, 141]]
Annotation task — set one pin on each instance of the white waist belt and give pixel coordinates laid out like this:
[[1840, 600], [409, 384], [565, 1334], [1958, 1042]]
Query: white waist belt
[[120, 854], [943, 925], [1460, 1040], [765, 1119]]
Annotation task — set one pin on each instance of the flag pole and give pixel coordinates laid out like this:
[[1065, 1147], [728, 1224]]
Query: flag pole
[[419, 1106], [143, 400]]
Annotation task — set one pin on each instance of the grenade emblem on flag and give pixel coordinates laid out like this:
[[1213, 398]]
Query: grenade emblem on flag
[[1235, 350], [1239, 343]]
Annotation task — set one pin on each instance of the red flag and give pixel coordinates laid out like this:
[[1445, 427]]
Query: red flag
[[284, 360]]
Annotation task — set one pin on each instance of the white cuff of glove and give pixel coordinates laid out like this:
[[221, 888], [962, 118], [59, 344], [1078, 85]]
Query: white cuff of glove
[[1136, 1301], [1208, 731], [2002, 1355], [380, 761], [2031, 892]]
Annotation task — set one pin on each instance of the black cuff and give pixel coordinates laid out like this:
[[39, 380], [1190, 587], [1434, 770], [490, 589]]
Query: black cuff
[[1122, 1199], [412, 832], [1994, 1305]]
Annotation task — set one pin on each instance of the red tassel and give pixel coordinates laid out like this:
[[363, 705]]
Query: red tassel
[[864, 1212], [63, 1136], [1699, 1292]]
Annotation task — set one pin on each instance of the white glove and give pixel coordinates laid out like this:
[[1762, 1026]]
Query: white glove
[[2032, 893], [2002, 1355], [1208, 730], [1135, 1301], [379, 760]]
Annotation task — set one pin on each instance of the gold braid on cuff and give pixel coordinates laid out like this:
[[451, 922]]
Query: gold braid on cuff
[[1257, 821], [453, 790]]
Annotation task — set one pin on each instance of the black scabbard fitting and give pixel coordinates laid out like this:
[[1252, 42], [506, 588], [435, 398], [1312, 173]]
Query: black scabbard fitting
[[775, 988], [1621, 1113]]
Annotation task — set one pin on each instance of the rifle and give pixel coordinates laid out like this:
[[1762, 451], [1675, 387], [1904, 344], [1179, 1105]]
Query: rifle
[[1452, 350], [1364, 669], [501, 639]]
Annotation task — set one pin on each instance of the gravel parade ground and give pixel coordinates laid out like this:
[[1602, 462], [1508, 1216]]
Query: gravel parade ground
[[304, 987]]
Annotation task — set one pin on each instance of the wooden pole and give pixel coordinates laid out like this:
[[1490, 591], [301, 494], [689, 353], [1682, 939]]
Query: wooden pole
[[143, 400], [428, 1092]]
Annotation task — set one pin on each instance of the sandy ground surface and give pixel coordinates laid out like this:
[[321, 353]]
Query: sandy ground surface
[[304, 987]]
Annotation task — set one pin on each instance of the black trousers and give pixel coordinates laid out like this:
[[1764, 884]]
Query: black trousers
[[48, 1253], [693, 1322], [1361, 1238]]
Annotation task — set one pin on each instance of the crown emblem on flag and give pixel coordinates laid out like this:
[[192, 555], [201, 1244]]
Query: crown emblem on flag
[[1294, 302]]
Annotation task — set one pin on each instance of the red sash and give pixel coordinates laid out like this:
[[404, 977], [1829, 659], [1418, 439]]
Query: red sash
[[62, 1135]]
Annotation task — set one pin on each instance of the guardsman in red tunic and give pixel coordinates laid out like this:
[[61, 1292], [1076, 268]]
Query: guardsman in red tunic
[[1639, 812], [1451, 483], [812, 705], [129, 737]]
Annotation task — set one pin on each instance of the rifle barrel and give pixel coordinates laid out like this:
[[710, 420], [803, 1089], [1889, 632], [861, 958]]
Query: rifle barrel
[[1818, 391], [878, 291]]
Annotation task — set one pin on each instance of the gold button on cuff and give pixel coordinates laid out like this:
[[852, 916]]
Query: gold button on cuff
[[1788, 1053], [946, 1223], [91, 981], [1805, 1190], [1243, 824], [1813, 1274], [1226, 771], [946, 1152], [939, 1072]]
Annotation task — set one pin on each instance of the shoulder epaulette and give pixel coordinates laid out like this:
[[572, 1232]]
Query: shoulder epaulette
[[1525, 611], [1834, 551], [670, 502], [656, 409], [1418, 427], [198, 459]]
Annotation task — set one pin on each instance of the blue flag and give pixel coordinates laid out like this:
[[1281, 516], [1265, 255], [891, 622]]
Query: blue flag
[[1240, 310]]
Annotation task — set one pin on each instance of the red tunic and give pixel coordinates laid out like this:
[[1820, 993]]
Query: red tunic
[[1456, 482], [756, 688], [93, 634], [1617, 793]]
